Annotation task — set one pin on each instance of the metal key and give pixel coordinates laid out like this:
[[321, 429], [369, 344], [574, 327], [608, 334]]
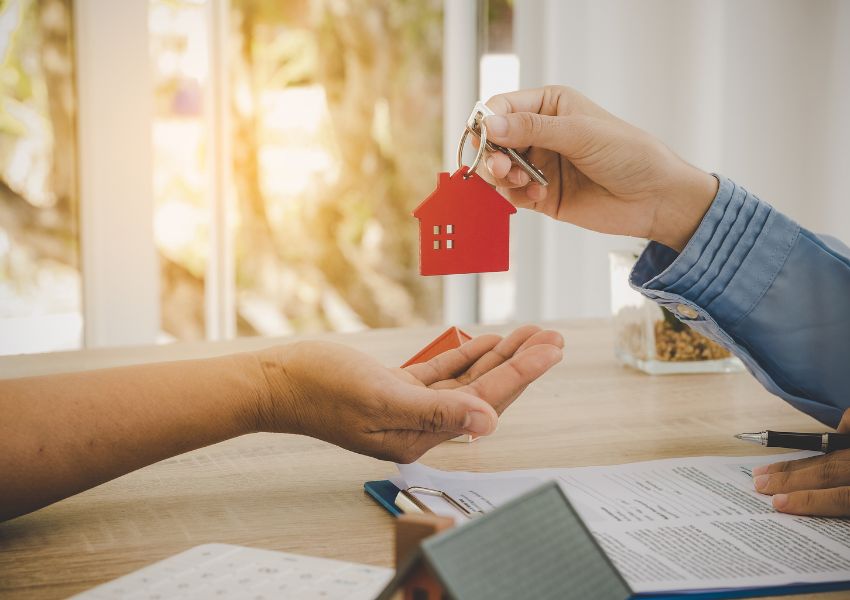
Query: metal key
[[473, 126]]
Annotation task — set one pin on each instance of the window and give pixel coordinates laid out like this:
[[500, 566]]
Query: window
[[330, 158], [288, 154], [40, 283], [325, 157], [449, 229]]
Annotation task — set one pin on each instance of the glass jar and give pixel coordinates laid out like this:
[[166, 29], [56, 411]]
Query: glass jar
[[650, 338]]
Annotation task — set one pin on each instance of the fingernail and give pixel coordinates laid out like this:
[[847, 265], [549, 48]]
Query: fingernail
[[518, 177], [760, 470], [761, 482], [780, 501], [489, 162], [477, 423], [496, 125]]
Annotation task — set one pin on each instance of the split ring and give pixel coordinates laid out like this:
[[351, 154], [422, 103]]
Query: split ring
[[481, 148]]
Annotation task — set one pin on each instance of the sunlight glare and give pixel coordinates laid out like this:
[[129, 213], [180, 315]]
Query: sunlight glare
[[297, 122]]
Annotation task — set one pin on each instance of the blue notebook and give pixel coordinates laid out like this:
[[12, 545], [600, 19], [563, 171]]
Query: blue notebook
[[384, 493]]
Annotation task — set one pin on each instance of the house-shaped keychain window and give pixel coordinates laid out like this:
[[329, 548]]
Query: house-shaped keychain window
[[464, 227]]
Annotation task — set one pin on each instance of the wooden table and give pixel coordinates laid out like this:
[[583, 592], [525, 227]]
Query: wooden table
[[299, 495]]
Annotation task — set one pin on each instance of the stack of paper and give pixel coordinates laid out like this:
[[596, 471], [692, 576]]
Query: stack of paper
[[692, 525]]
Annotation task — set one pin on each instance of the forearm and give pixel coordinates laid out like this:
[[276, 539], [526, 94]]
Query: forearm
[[62, 434]]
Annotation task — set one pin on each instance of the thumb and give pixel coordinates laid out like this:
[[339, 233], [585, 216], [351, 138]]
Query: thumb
[[563, 134], [448, 411]]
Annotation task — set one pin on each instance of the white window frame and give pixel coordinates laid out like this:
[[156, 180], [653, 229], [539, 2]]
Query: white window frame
[[120, 270], [220, 289], [461, 58], [530, 260], [121, 275]]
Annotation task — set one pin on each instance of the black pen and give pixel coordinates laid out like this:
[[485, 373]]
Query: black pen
[[822, 442]]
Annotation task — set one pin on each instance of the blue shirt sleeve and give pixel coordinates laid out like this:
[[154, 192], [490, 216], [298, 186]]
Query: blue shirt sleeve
[[776, 295]]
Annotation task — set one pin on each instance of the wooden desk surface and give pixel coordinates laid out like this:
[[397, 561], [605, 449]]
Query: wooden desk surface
[[299, 495]]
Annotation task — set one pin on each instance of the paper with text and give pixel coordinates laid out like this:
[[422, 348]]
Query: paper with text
[[672, 525]]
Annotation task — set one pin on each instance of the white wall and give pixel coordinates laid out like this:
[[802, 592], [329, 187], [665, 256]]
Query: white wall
[[758, 90]]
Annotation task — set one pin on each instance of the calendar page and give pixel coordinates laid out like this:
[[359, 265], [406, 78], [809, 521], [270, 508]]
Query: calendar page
[[226, 571]]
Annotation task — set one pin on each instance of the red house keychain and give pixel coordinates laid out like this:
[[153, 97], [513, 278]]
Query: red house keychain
[[464, 225]]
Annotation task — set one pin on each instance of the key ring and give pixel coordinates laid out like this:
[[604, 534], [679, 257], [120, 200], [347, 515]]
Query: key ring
[[481, 147], [475, 126]]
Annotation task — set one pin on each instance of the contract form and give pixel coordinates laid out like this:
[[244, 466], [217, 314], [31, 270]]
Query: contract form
[[674, 525]]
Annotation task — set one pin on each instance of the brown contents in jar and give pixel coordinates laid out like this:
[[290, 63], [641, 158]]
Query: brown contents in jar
[[680, 343]]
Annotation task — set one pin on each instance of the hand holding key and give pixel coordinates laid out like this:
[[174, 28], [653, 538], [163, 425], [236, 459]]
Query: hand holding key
[[604, 174]]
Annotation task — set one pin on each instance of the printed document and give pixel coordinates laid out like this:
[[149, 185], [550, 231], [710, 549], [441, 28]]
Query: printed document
[[684, 524]]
